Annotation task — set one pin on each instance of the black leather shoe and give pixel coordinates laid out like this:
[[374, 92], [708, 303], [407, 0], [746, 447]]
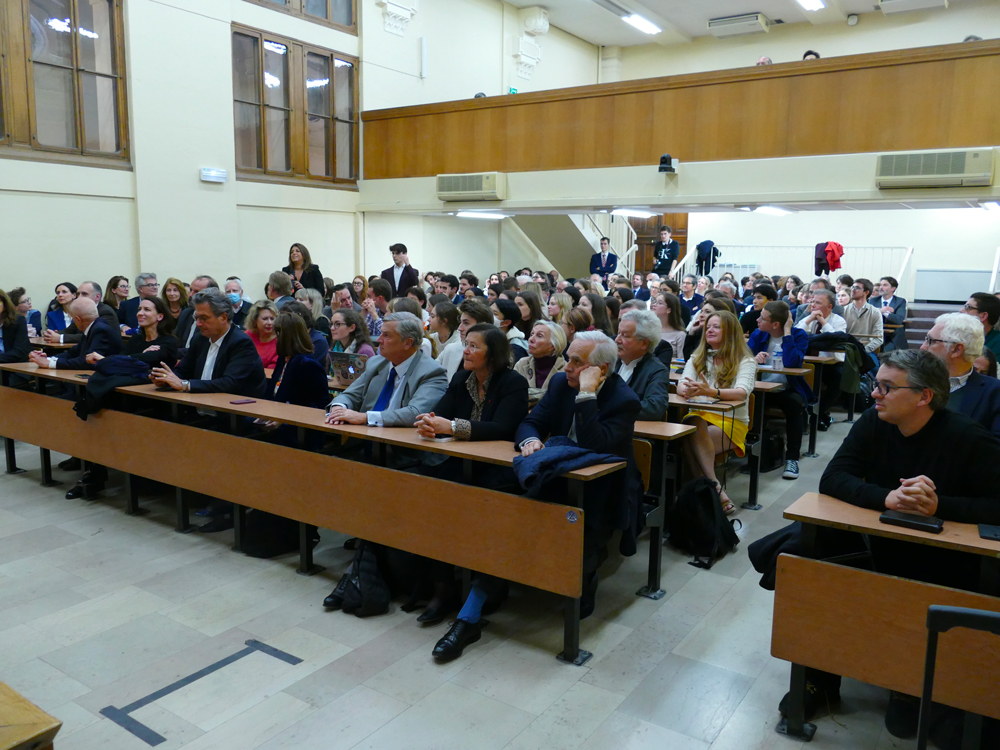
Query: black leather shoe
[[902, 715], [459, 635], [435, 615], [824, 423], [94, 477], [219, 523], [79, 489], [336, 597], [71, 464], [588, 598]]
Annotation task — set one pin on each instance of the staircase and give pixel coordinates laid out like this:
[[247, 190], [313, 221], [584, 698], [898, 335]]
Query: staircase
[[920, 317], [568, 241]]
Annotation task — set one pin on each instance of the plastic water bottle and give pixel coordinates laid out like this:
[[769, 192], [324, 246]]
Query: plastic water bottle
[[776, 360]]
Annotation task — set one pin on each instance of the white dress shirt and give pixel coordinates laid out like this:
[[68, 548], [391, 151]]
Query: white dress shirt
[[625, 373], [375, 417], [213, 354], [397, 274]]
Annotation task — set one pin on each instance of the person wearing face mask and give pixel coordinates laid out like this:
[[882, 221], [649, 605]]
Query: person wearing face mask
[[545, 347], [241, 308]]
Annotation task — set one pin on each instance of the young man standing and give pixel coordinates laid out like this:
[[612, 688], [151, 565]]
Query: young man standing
[[665, 252], [893, 311]]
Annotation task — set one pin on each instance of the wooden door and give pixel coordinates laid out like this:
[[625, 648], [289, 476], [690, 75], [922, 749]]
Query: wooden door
[[648, 232]]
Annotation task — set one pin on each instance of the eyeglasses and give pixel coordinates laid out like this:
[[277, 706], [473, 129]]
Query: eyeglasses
[[968, 308], [153, 285], [884, 388], [931, 341]]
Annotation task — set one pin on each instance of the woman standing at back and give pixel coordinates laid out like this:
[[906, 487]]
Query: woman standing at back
[[303, 272]]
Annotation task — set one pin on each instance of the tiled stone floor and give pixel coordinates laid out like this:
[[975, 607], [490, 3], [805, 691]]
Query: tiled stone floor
[[98, 608]]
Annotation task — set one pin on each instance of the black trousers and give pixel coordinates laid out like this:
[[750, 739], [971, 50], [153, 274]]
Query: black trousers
[[793, 405]]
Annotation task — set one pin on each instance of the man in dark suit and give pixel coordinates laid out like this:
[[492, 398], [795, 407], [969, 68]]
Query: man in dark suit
[[893, 311], [186, 329], [639, 333], [401, 275], [98, 337], [147, 287], [605, 262], [222, 359], [639, 290], [957, 340], [72, 335], [590, 404]]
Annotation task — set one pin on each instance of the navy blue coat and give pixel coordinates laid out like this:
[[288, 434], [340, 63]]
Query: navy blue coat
[[642, 293], [603, 269], [16, 345], [100, 338], [127, 311], [303, 383], [979, 400], [793, 352], [238, 368]]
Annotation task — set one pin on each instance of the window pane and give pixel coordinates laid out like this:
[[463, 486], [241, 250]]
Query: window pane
[[275, 74], [315, 8], [320, 161], [51, 32], [247, 135], [318, 84], [343, 12], [100, 114], [94, 35], [345, 151], [277, 141], [343, 80], [55, 111], [246, 66]]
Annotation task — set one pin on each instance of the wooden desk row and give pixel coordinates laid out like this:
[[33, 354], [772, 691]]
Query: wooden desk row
[[872, 627]]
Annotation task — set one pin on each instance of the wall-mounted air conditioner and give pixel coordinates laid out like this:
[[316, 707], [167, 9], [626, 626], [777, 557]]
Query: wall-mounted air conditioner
[[750, 23], [482, 186], [902, 6], [935, 169]]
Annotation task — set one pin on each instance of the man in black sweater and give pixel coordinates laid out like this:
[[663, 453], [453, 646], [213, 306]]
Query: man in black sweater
[[912, 454]]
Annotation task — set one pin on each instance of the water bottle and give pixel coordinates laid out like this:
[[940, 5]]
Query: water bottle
[[776, 360]]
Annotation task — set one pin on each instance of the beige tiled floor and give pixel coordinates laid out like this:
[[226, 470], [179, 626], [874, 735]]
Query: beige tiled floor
[[100, 609]]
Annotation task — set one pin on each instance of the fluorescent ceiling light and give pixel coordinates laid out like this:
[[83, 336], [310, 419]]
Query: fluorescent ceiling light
[[771, 211], [645, 26], [811, 4], [479, 215], [632, 213], [991, 206]]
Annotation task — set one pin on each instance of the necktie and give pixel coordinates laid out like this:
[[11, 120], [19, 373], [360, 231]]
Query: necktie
[[816, 327], [386, 395]]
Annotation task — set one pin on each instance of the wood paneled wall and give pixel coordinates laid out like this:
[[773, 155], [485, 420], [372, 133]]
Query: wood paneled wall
[[926, 98]]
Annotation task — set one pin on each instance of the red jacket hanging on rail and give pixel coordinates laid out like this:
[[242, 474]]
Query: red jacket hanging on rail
[[834, 252]]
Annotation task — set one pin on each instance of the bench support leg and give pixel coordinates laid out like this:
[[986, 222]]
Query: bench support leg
[[306, 565], [8, 446], [753, 454], [972, 731], [655, 520], [132, 493], [814, 411], [795, 724], [572, 653], [183, 526], [239, 526], [47, 480]]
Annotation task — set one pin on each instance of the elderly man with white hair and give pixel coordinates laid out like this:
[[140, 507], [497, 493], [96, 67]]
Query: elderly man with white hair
[[639, 333], [98, 337], [957, 340]]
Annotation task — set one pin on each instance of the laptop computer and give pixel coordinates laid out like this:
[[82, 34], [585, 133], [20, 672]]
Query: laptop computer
[[347, 367]]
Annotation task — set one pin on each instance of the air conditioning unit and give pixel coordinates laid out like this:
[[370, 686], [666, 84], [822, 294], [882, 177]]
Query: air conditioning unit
[[483, 186], [935, 169], [902, 6], [750, 23]]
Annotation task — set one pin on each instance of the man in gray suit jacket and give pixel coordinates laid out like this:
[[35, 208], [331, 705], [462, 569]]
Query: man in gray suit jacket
[[397, 385]]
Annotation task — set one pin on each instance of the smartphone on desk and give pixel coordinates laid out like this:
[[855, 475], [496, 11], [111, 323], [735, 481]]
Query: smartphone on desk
[[244, 401], [992, 533], [82, 375], [929, 524]]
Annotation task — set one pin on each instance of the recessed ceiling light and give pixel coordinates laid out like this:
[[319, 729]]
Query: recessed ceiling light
[[811, 4], [991, 206], [771, 211], [645, 26], [480, 215], [632, 213]]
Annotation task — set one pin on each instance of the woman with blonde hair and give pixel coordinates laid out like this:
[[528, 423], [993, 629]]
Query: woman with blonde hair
[[260, 328], [560, 303], [314, 301], [545, 347], [174, 296], [576, 321], [722, 368]]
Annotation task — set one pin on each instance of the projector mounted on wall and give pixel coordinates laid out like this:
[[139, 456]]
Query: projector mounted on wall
[[902, 6], [750, 23]]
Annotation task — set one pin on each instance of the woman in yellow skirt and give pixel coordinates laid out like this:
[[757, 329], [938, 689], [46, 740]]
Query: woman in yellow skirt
[[722, 368]]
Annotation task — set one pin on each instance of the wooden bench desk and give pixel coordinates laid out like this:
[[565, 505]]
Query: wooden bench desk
[[23, 725], [470, 527], [39, 343], [872, 627]]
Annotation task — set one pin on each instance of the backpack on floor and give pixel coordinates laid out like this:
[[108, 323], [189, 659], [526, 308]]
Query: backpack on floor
[[697, 525], [772, 451], [367, 593]]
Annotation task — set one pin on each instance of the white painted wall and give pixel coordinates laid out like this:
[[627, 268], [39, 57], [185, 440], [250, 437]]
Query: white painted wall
[[875, 32]]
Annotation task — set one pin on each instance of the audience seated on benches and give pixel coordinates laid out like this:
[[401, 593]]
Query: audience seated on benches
[[14, 344], [260, 328], [638, 337], [186, 328], [98, 338], [154, 343], [58, 317], [71, 335], [147, 286], [823, 319], [864, 320]]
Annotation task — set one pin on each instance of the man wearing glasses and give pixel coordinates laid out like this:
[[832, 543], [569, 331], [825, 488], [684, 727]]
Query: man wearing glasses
[[864, 322], [147, 286], [911, 454], [986, 307], [957, 340]]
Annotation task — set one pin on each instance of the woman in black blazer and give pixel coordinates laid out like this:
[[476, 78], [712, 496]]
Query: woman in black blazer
[[486, 400], [13, 332], [303, 272]]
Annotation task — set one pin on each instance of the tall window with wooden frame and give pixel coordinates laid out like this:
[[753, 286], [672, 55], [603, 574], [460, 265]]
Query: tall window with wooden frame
[[62, 79], [295, 111], [339, 14]]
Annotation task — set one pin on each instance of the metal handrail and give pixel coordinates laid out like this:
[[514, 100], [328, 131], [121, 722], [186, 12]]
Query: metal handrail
[[996, 267]]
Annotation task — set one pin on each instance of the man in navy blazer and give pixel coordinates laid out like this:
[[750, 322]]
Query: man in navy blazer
[[148, 287], [958, 339], [893, 311], [605, 262], [97, 337], [639, 291], [401, 275], [591, 405], [221, 359]]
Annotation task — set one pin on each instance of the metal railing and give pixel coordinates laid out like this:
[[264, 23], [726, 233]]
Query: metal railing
[[996, 267], [620, 234]]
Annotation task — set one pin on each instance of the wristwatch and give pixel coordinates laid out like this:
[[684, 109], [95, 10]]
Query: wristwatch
[[187, 385], [453, 427]]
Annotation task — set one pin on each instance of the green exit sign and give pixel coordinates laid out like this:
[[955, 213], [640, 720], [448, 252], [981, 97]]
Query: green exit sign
[[511, 91]]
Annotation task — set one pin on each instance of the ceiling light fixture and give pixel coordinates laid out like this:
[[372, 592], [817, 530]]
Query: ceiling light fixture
[[771, 211], [480, 215], [644, 25], [811, 4], [632, 213], [991, 205]]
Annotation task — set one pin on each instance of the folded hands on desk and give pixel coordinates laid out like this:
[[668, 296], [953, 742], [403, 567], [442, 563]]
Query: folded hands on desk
[[343, 415], [915, 495]]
